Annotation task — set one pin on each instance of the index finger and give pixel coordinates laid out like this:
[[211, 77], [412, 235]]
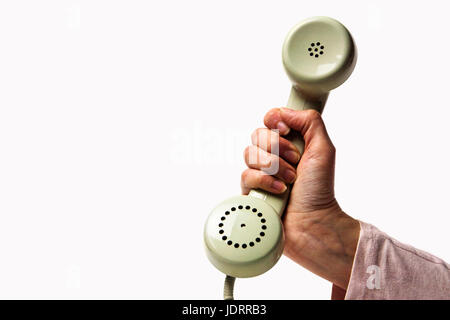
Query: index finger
[[272, 120]]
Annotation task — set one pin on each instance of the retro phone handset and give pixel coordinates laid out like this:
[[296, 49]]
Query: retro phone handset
[[243, 235]]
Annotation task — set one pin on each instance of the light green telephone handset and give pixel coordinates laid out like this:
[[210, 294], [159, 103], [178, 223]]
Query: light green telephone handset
[[243, 235]]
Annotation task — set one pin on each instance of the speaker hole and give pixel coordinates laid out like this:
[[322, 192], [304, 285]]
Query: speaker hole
[[240, 207], [262, 234], [233, 209], [264, 227], [223, 218], [314, 51], [230, 242], [236, 245], [263, 220], [221, 231], [251, 244], [254, 210], [242, 225], [227, 212], [259, 214], [244, 246], [257, 239], [220, 225], [224, 238]]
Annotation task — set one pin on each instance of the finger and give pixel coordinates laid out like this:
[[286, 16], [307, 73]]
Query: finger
[[256, 179], [256, 158], [273, 120], [308, 122], [271, 141]]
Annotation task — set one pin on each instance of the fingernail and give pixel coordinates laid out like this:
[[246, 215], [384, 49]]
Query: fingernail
[[278, 185], [284, 129], [289, 176], [292, 156]]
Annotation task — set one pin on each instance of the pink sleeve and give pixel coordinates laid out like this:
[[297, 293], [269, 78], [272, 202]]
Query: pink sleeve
[[384, 268]]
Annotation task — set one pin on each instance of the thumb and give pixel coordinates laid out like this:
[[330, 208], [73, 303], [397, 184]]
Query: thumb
[[310, 124]]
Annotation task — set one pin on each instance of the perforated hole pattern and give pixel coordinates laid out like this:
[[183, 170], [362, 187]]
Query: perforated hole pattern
[[249, 210], [316, 49]]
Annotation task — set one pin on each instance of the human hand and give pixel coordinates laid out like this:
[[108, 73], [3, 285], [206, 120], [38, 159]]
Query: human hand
[[319, 235]]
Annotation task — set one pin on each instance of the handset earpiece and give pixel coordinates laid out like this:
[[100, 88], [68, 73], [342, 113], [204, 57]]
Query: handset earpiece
[[243, 235]]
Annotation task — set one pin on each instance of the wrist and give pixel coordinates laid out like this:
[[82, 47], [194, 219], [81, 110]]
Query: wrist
[[323, 241]]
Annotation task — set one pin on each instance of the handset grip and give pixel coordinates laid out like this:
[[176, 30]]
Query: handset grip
[[297, 101]]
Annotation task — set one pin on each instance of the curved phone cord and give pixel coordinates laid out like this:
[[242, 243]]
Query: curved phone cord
[[228, 288]]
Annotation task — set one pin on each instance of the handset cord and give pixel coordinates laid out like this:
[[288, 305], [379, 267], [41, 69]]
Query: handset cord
[[228, 288]]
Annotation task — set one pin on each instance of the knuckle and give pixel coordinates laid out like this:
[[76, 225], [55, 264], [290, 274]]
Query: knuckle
[[269, 115], [265, 139], [332, 149], [265, 179], [326, 153], [246, 152], [244, 176], [328, 147], [250, 156], [313, 115], [256, 135], [272, 111]]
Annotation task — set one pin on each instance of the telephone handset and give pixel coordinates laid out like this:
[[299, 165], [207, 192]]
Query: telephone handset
[[243, 235]]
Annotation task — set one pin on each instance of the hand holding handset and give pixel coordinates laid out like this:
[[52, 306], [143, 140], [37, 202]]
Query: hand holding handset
[[243, 235]]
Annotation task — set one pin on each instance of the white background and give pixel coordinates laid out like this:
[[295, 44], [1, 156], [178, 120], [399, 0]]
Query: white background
[[122, 124]]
